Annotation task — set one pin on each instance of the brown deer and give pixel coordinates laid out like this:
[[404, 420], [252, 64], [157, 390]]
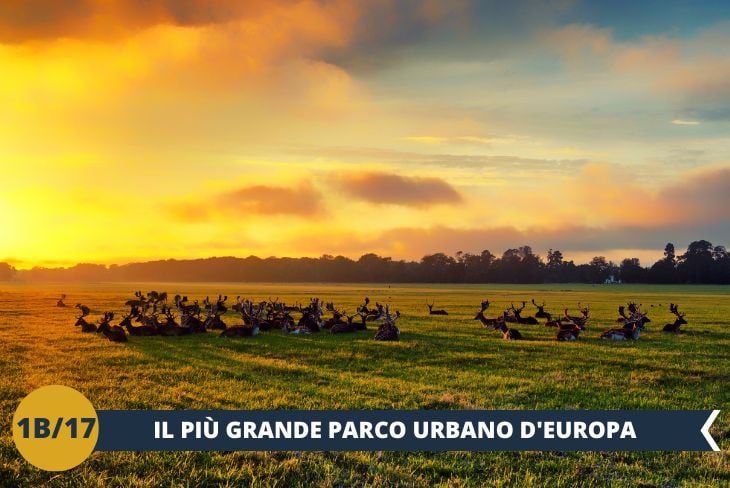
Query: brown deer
[[630, 331], [486, 322], [344, 327], [336, 317], [370, 313], [85, 326], [241, 331], [508, 334], [388, 331], [81, 319], [112, 332], [141, 330], [541, 313], [516, 313], [60, 302], [569, 334], [679, 321], [431, 311], [579, 321]]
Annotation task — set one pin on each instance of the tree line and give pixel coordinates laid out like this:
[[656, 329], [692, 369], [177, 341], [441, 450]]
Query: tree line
[[701, 263]]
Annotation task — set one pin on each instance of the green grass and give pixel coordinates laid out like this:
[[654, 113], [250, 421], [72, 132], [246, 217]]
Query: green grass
[[440, 363]]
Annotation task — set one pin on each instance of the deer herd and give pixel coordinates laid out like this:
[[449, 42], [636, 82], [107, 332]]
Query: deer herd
[[153, 316], [150, 314], [569, 326]]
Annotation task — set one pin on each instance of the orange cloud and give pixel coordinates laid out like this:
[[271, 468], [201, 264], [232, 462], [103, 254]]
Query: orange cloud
[[108, 19], [261, 200], [385, 188]]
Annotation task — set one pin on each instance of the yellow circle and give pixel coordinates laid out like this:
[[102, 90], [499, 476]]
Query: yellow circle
[[55, 428]]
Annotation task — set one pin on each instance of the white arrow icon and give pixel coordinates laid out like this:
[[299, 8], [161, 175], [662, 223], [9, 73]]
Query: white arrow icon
[[706, 430]]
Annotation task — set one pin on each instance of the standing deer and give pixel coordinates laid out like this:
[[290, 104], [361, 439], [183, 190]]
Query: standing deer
[[679, 321]]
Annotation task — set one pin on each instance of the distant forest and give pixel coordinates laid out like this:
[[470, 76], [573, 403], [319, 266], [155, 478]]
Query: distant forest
[[701, 263]]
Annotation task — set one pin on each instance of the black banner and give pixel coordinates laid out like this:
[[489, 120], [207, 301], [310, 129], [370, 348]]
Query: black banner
[[406, 430]]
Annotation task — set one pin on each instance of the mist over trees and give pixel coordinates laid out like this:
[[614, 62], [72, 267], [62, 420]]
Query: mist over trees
[[701, 263]]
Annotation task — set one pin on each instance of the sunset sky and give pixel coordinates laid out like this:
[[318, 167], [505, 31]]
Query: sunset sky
[[135, 130]]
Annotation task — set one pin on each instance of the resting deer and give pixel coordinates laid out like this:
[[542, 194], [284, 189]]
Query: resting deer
[[516, 312], [336, 317], [81, 320], [580, 321], [507, 333], [431, 311], [486, 322], [370, 313], [60, 302], [541, 313], [252, 318], [140, 301], [388, 331], [629, 331], [344, 327], [679, 321], [112, 332], [141, 330], [569, 334]]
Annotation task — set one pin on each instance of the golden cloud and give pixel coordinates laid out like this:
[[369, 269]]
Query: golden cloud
[[387, 188]]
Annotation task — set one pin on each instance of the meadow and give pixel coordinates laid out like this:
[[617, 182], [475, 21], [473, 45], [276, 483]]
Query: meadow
[[441, 362]]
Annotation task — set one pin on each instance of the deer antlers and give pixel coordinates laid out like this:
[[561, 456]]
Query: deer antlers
[[674, 308]]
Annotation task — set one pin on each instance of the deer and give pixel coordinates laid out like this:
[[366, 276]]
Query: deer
[[141, 330], [636, 315], [85, 326], [60, 302], [183, 307], [516, 312], [252, 318], [81, 319], [486, 322], [541, 313], [363, 324], [629, 331], [571, 331], [388, 331], [169, 328], [241, 331], [213, 320], [579, 321], [336, 318], [431, 311], [508, 334], [678, 322], [344, 327], [140, 301], [311, 318], [112, 332], [569, 334]]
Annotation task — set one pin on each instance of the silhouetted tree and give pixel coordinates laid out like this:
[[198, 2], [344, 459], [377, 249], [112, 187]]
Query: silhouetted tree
[[695, 265], [631, 271], [7, 272], [599, 269]]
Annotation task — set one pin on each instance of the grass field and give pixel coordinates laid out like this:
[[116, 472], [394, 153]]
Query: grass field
[[440, 363]]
